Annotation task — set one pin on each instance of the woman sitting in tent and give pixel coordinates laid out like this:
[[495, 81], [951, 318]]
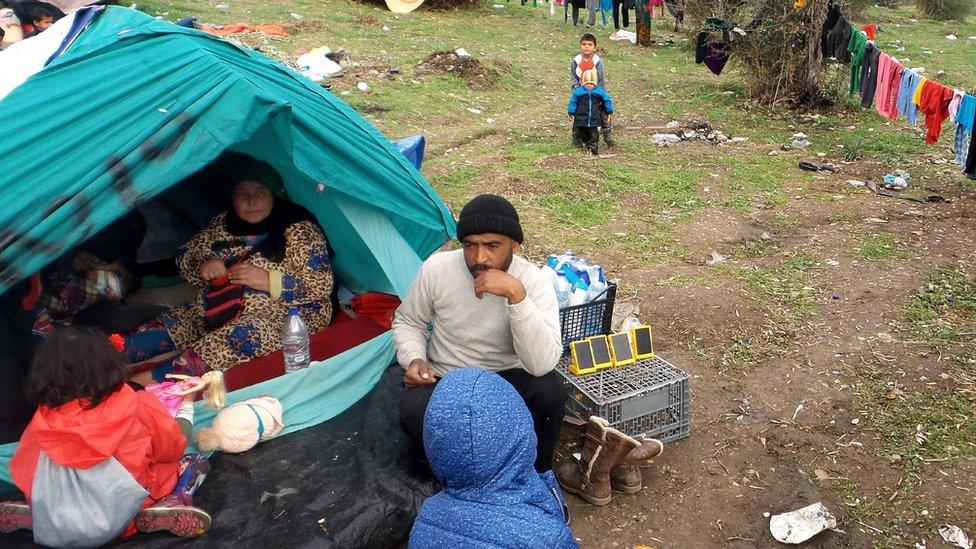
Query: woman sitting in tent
[[252, 263]]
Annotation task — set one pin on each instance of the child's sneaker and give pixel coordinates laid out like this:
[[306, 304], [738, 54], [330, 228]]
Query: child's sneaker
[[15, 515], [169, 515]]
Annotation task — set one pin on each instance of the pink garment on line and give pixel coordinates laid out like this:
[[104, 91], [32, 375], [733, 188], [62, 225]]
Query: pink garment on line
[[889, 81], [954, 104]]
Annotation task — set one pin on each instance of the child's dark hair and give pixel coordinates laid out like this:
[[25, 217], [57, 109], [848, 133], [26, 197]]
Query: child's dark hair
[[75, 362], [37, 13], [588, 37]]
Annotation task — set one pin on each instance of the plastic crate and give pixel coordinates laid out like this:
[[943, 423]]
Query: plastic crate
[[588, 319], [650, 397]]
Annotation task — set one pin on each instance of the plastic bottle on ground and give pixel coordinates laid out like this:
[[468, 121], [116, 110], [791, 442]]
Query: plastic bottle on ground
[[294, 341]]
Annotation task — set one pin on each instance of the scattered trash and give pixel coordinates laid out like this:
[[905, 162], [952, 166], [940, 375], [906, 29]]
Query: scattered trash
[[855, 182], [316, 65], [664, 139], [815, 167], [624, 35], [875, 220], [954, 534], [951, 37], [490, 120], [798, 526], [363, 86], [799, 408], [920, 436], [394, 70], [930, 199], [739, 139], [695, 130], [717, 259], [222, 7], [461, 52], [800, 141], [832, 263], [897, 180], [498, 6], [473, 110], [296, 16], [386, 28]]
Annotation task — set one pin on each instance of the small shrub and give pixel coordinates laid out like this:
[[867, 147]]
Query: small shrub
[[946, 10]]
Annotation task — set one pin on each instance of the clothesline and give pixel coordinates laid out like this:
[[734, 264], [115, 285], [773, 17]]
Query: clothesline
[[895, 90]]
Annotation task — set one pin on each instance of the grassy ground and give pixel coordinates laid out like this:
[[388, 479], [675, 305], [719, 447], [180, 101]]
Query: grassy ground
[[816, 268]]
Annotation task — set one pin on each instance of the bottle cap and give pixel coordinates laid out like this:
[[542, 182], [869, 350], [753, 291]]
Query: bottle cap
[[292, 311]]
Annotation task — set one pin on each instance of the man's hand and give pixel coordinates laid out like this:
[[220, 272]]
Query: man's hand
[[418, 374], [500, 283], [213, 268], [248, 275]]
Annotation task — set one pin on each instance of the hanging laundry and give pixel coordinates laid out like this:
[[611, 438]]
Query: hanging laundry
[[957, 96], [712, 24], [837, 40], [934, 104], [889, 80], [967, 108], [833, 15], [869, 74], [960, 144], [970, 168], [716, 56], [909, 82], [856, 47], [869, 31], [917, 94], [964, 127]]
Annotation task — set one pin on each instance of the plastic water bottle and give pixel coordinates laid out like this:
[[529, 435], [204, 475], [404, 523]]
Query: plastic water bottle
[[294, 341]]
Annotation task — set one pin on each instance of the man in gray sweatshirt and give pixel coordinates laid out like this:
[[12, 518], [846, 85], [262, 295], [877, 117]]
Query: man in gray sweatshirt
[[483, 306]]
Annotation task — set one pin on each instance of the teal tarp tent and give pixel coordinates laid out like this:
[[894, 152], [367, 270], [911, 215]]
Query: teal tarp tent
[[135, 105]]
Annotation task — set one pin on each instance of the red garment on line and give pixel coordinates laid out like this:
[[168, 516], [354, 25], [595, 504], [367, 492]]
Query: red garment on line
[[934, 103]]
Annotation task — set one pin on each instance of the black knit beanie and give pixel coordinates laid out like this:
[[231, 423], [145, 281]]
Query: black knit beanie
[[489, 213]]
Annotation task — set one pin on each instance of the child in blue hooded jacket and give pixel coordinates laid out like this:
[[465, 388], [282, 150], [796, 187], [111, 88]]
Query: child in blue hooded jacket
[[591, 107], [480, 442]]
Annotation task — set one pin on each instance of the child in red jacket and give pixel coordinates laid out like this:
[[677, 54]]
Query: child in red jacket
[[99, 460]]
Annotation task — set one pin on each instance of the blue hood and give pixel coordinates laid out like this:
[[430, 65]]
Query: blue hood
[[481, 445]]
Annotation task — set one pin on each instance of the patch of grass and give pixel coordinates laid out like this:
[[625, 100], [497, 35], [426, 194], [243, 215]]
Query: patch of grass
[[943, 312], [457, 184], [880, 247], [920, 425], [585, 213]]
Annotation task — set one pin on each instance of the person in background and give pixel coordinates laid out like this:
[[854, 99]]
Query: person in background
[[591, 107], [588, 59], [41, 19]]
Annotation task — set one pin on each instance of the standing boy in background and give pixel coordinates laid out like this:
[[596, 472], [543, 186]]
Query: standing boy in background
[[588, 59]]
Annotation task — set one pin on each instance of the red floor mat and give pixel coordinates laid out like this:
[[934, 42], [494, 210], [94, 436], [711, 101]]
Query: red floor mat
[[344, 333]]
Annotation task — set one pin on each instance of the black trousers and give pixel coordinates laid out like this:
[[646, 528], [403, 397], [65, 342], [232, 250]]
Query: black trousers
[[589, 137], [618, 7], [544, 396]]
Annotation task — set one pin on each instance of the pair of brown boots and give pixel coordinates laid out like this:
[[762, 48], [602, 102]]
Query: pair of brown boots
[[609, 460]]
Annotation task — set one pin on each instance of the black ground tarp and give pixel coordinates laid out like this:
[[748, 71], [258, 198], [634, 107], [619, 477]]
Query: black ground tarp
[[353, 481]]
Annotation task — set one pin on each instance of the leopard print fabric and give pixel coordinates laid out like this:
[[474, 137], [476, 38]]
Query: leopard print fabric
[[306, 283]]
